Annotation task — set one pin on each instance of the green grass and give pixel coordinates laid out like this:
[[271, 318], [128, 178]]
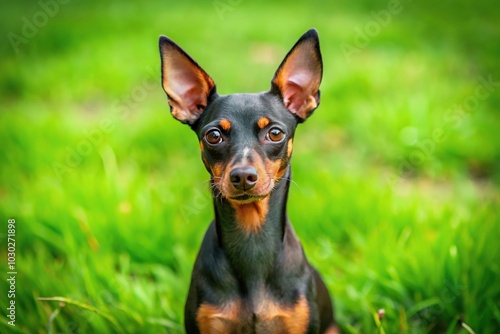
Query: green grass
[[105, 241]]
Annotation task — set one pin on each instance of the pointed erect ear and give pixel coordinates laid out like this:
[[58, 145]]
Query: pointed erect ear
[[299, 76], [187, 85]]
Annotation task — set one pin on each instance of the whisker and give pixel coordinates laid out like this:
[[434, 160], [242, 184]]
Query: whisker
[[294, 183], [289, 178]]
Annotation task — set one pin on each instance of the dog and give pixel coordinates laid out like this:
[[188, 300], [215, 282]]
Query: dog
[[251, 274]]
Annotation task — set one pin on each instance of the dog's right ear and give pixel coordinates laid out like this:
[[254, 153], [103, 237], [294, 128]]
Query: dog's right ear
[[187, 85]]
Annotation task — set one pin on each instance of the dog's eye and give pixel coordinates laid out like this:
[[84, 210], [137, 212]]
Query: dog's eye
[[275, 135], [213, 137]]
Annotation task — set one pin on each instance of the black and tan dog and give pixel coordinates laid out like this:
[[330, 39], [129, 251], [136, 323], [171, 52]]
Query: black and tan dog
[[251, 274]]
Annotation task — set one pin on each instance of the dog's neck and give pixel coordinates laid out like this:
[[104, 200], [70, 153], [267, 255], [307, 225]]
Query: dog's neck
[[251, 235]]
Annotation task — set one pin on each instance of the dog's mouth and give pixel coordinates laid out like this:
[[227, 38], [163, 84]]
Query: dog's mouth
[[247, 198]]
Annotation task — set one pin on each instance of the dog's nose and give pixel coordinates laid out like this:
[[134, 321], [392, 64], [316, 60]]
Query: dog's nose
[[244, 178]]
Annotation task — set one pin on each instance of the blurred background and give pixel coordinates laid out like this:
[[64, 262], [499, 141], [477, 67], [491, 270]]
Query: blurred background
[[395, 198]]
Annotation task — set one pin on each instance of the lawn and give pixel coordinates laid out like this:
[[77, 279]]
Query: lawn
[[396, 176]]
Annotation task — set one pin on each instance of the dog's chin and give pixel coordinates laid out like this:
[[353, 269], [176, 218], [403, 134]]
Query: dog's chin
[[246, 198]]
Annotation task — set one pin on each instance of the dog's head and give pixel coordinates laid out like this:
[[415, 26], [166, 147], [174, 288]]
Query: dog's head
[[245, 139]]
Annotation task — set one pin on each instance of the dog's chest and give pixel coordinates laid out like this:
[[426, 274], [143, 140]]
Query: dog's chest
[[262, 314]]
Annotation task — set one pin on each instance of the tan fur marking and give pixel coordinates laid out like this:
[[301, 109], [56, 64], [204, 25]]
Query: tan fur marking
[[202, 147], [275, 168], [225, 124], [289, 147], [332, 330], [299, 319], [280, 174], [217, 170], [295, 318], [263, 122], [217, 319], [251, 216]]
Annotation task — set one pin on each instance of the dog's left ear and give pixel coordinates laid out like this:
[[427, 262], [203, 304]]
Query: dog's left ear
[[299, 76]]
